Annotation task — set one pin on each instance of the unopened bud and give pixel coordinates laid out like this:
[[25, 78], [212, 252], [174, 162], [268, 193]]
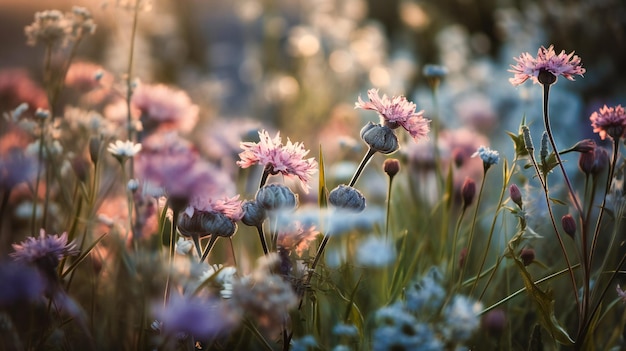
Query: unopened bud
[[516, 195], [528, 141], [601, 160], [585, 145], [94, 149], [347, 197], [569, 225], [527, 256], [494, 322], [253, 213], [468, 191], [380, 138], [458, 156], [391, 166], [586, 161], [276, 197], [81, 168]]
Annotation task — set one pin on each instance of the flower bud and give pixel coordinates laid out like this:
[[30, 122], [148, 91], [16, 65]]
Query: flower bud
[[253, 213], [586, 161], [516, 195], [347, 197], [569, 225], [528, 141], [380, 138], [494, 322], [458, 155], [601, 160], [276, 197], [468, 191], [41, 113], [391, 166], [527, 256], [220, 225], [94, 149], [81, 168], [585, 145]]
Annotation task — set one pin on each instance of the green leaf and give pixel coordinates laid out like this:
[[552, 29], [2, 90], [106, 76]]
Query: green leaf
[[548, 164], [544, 302], [83, 255], [322, 193], [518, 142], [558, 202]]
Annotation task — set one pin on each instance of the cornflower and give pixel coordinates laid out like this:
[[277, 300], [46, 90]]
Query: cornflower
[[547, 61], [287, 159], [609, 121], [489, 157], [45, 251], [395, 112]]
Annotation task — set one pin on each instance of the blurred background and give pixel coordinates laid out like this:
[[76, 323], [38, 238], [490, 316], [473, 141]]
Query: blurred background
[[299, 66]]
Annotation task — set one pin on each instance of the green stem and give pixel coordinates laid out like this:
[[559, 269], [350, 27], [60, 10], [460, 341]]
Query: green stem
[[473, 228], [259, 229], [366, 158], [209, 247], [388, 209]]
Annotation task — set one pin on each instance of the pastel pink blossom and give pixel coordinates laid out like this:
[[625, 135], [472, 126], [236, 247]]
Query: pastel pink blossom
[[396, 111], [609, 121], [164, 108], [287, 159], [229, 207], [528, 67]]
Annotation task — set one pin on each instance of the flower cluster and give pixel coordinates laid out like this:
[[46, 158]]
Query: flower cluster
[[53, 28], [609, 121]]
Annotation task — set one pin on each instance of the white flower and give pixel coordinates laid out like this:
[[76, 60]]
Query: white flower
[[183, 246], [123, 149], [375, 252]]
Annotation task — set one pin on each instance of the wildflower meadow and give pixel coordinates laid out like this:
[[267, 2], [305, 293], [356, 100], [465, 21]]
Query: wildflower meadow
[[313, 175]]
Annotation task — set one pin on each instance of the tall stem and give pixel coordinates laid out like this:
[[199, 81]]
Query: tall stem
[[366, 158], [259, 229], [172, 251]]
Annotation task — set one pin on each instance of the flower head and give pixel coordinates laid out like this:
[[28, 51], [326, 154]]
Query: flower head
[[295, 236], [609, 121], [529, 67], [489, 157], [287, 159], [395, 112], [124, 149], [46, 249]]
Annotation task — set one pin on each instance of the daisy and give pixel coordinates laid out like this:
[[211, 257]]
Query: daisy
[[124, 149], [395, 112]]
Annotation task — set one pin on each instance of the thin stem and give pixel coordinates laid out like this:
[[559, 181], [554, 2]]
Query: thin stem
[[265, 175], [388, 210], [196, 243], [457, 228], [366, 158], [33, 218], [259, 229], [594, 239], [473, 228], [129, 85], [209, 247], [546, 121], [544, 185], [172, 251]]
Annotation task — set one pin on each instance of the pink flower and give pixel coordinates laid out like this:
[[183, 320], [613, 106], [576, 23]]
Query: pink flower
[[609, 121], [229, 207], [165, 108], [294, 236], [528, 67], [285, 159], [169, 162], [395, 112]]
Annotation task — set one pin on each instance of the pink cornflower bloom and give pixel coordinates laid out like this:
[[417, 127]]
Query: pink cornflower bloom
[[164, 108], [295, 236], [46, 249], [287, 159], [609, 121], [529, 67], [395, 112], [229, 207]]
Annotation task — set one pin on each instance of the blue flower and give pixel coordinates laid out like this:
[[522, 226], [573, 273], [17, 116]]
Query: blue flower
[[489, 157]]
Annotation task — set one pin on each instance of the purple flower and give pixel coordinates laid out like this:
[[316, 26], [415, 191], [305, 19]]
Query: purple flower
[[395, 112], [195, 316], [16, 167], [45, 249], [529, 67], [287, 159], [19, 283], [609, 121]]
